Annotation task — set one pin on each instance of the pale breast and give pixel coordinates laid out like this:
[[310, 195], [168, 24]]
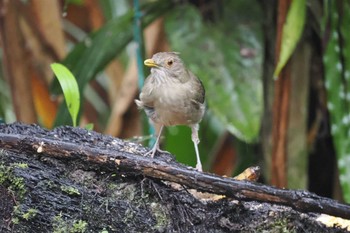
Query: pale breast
[[173, 103]]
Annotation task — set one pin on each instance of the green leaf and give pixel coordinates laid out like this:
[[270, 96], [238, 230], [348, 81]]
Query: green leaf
[[336, 62], [89, 126], [76, 2], [93, 54], [70, 89], [213, 52], [6, 109], [112, 8], [292, 31]]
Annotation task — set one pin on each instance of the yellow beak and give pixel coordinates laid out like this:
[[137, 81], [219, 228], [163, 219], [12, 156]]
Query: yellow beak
[[150, 63]]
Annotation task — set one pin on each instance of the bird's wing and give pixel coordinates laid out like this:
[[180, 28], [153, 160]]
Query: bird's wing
[[147, 100], [146, 97], [199, 90]]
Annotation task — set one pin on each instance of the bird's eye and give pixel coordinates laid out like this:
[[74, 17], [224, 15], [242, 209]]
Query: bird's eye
[[170, 62]]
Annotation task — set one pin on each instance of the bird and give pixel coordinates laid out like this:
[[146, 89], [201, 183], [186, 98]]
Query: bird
[[172, 95]]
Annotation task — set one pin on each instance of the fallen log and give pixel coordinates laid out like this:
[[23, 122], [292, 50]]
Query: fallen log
[[73, 178]]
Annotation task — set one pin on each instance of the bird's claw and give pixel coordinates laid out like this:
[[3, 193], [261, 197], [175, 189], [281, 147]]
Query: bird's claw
[[152, 152]]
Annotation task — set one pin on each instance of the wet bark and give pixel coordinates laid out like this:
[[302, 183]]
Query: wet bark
[[79, 180]]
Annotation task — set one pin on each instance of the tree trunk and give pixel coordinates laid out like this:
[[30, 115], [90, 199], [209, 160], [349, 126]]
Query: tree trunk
[[74, 180]]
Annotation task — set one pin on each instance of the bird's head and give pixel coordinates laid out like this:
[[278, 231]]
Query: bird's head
[[167, 63]]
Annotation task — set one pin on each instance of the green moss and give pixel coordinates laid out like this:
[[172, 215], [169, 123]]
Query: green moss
[[13, 183], [15, 220], [70, 190], [50, 184], [4, 173], [160, 214], [122, 191], [31, 213], [61, 226], [18, 186], [112, 186], [280, 225], [20, 165], [79, 226], [19, 214]]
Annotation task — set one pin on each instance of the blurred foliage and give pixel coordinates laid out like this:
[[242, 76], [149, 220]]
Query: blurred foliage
[[112, 9], [292, 31], [336, 62], [97, 50], [6, 112], [232, 77], [77, 2]]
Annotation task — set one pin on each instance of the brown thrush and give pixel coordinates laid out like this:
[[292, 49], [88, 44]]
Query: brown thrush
[[172, 95]]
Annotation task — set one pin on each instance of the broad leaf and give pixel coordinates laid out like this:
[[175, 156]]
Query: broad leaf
[[227, 57], [292, 30], [70, 89], [336, 62]]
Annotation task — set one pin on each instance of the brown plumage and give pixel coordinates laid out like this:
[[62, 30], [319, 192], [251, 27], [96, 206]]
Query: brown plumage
[[172, 95]]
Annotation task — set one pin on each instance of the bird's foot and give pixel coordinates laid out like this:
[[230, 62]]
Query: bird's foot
[[199, 167], [163, 151], [153, 151]]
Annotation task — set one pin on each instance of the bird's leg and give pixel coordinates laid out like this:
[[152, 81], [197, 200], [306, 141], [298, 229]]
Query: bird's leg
[[155, 148], [195, 140]]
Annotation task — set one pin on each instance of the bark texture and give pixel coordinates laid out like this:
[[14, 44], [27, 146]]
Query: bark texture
[[74, 180]]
